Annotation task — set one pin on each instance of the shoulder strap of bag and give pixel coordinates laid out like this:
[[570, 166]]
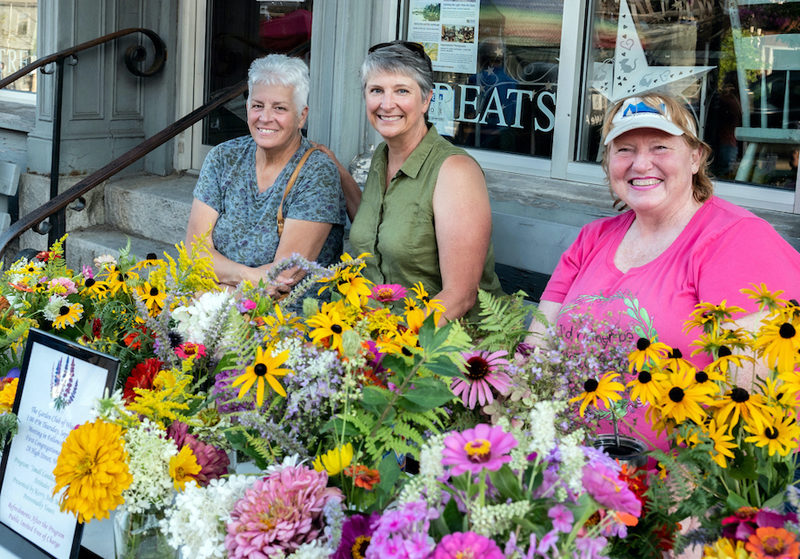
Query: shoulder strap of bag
[[289, 186]]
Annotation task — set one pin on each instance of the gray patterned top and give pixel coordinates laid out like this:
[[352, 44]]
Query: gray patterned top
[[246, 230]]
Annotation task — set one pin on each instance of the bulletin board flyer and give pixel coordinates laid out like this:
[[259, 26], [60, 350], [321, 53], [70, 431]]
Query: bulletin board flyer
[[448, 29], [58, 395]]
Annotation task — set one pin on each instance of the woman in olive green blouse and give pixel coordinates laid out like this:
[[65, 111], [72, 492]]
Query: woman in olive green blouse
[[424, 214]]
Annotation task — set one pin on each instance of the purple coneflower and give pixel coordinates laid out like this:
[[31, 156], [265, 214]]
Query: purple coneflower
[[481, 376]]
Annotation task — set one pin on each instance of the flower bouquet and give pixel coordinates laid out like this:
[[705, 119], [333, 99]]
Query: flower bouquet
[[731, 425]]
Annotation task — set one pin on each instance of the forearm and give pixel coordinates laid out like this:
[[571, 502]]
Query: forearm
[[456, 302]]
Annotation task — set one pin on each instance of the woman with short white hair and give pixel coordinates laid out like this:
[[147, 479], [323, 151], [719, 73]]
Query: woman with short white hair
[[241, 189]]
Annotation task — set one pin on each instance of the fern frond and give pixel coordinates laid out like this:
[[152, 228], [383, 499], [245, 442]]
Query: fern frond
[[503, 322]]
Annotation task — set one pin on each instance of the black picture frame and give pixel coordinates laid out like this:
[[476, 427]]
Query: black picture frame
[[86, 375]]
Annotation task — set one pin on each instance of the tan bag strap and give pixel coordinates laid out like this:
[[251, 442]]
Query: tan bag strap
[[289, 187]]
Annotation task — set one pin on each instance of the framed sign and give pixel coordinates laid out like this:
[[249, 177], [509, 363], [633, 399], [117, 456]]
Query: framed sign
[[58, 386]]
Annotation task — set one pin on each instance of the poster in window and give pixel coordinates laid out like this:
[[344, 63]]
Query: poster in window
[[448, 29]]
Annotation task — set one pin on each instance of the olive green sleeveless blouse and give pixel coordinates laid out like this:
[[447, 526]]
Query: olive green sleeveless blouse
[[397, 226]]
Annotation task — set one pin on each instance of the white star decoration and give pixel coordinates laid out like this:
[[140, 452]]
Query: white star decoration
[[629, 73]]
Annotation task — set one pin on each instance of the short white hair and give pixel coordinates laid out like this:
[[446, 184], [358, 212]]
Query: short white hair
[[279, 69]]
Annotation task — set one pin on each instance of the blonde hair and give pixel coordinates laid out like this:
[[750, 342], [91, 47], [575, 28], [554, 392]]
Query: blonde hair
[[702, 187]]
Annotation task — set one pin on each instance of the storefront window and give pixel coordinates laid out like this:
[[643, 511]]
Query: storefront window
[[496, 67], [239, 32], [18, 41], [735, 63]]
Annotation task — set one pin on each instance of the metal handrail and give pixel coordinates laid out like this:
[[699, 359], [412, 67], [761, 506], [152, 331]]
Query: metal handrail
[[61, 201], [134, 55]]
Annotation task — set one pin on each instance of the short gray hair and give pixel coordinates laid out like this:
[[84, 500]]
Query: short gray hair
[[394, 58], [279, 69]]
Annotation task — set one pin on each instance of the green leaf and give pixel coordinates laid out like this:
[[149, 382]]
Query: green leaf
[[428, 393], [743, 466], [452, 517], [340, 427], [227, 362], [443, 366], [390, 472], [374, 399], [736, 502], [427, 333], [506, 483]]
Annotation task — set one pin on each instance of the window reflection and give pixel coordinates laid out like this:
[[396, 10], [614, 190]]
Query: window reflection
[[508, 105], [747, 105], [18, 41]]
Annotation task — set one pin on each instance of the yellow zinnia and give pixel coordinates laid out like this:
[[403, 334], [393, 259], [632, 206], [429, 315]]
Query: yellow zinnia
[[603, 390], [93, 467], [183, 467], [334, 461], [266, 366], [7, 394]]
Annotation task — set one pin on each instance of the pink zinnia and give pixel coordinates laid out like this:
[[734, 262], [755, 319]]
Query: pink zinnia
[[67, 284], [604, 486], [466, 545], [475, 449], [188, 349], [279, 513], [388, 293], [482, 375]]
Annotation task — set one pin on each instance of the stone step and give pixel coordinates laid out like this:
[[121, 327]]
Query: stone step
[[84, 246], [150, 206]]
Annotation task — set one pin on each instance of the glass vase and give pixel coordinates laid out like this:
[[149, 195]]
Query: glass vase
[[138, 536]]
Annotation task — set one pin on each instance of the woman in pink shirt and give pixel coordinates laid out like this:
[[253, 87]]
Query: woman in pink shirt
[[676, 246]]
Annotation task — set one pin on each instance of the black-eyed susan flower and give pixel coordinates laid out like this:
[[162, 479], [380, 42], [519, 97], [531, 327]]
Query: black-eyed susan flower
[[709, 317], [328, 326], [778, 393], [682, 398], [644, 387], [674, 361], [149, 261], [605, 390], [266, 367], [356, 289], [726, 358], [765, 298], [95, 288], [723, 443], [791, 383], [119, 280], [431, 305], [647, 353], [708, 378], [779, 343], [779, 434], [68, 315], [152, 296], [739, 403], [280, 323]]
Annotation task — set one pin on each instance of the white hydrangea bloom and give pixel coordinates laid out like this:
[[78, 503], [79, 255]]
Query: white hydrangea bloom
[[543, 432], [196, 521], [572, 461], [195, 320], [149, 451], [493, 520]]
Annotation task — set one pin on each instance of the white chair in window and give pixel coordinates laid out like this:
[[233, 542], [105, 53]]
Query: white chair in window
[[9, 181], [771, 98]]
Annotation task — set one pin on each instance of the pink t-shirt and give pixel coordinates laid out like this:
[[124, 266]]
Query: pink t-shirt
[[722, 250]]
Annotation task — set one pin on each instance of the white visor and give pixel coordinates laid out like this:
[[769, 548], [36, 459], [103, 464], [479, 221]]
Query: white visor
[[635, 113]]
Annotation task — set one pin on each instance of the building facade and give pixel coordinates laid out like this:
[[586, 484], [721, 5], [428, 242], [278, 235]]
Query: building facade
[[522, 84]]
